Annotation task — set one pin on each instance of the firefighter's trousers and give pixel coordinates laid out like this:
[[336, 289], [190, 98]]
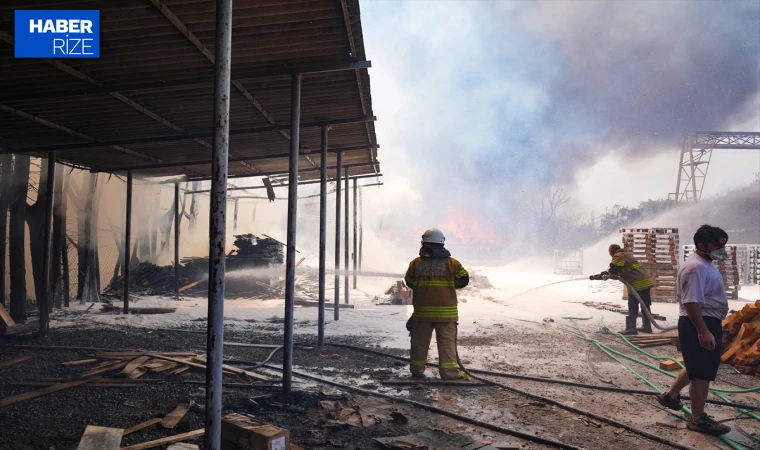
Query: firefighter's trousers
[[445, 335]]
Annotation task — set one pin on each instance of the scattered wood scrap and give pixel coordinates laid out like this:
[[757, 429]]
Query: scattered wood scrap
[[741, 339], [654, 340], [92, 385], [167, 440], [671, 365], [172, 419], [100, 438], [142, 426], [6, 317], [14, 361], [183, 446], [242, 431], [48, 390], [81, 362]]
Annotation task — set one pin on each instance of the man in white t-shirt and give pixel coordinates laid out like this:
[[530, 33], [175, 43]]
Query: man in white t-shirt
[[702, 296]]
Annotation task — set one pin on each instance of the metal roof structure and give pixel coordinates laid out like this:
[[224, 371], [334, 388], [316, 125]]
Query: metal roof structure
[[201, 88], [146, 104]]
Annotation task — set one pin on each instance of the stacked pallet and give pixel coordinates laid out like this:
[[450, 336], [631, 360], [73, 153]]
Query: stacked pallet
[[657, 250], [741, 339], [754, 264], [568, 262], [729, 270]]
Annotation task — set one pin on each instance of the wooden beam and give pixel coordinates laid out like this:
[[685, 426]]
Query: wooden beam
[[5, 316], [49, 390], [167, 440], [14, 361], [172, 419], [142, 426]]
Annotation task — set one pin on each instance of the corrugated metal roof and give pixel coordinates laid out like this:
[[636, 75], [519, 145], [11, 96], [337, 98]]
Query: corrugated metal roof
[[154, 79]]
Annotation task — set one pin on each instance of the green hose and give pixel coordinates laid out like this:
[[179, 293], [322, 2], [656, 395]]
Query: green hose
[[609, 351]]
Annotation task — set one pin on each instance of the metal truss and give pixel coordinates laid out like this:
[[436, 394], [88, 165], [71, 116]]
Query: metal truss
[[696, 153]]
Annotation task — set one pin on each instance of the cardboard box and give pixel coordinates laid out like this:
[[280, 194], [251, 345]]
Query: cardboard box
[[239, 431]]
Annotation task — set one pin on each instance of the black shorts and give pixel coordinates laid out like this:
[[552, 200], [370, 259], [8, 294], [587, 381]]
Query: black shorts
[[700, 363]]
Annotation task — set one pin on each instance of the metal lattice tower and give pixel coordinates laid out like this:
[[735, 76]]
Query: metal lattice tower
[[696, 153]]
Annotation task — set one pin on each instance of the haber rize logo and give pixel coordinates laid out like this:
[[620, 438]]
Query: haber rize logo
[[57, 34]]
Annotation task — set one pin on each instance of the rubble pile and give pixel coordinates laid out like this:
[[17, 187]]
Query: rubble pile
[[150, 279], [250, 253]]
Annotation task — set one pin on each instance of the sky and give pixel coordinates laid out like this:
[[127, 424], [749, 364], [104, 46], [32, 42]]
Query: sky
[[484, 106]]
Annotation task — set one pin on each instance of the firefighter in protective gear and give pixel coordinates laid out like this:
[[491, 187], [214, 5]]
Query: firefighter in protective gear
[[625, 266], [435, 276]]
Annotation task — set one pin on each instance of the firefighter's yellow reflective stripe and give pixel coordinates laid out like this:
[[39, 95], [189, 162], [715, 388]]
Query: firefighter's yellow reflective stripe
[[462, 273], [433, 283], [435, 312], [435, 308], [417, 362], [436, 315], [633, 267], [618, 262], [448, 365], [643, 284], [409, 281]]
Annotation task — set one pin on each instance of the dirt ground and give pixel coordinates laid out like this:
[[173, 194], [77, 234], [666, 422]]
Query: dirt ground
[[57, 420], [494, 335]]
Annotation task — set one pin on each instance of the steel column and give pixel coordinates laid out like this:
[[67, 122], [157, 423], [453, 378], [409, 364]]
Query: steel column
[[361, 228], [234, 218], [5, 187], [47, 251], [336, 308], [356, 241], [345, 238], [217, 224], [127, 243], [322, 236], [176, 239], [290, 257]]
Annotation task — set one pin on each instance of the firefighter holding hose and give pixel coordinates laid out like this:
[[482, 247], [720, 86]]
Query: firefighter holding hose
[[628, 268], [435, 276]]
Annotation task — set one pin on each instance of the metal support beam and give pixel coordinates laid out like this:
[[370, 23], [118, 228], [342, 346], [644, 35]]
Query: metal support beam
[[47, 251], [356, 231], [234, 218], [361, 229], [246, 188], [322, 236], [162, 139], [242, 158], [164, 84], [346, 293], [336, 308], [5, 186], [217, 225], [176, 239], [127, 242], [290, 257], [69, 131]]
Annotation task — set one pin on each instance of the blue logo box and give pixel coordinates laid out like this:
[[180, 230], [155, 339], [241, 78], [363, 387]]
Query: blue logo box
[[57, 33]]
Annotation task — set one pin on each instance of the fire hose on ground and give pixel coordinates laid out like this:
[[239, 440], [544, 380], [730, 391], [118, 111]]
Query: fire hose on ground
[[612, 352], [533, 396]]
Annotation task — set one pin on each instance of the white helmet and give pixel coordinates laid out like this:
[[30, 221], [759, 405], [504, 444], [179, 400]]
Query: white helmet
[[433, 236]]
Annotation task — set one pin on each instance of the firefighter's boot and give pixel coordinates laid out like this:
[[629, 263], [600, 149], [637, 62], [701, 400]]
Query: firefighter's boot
[[646, 324], [630, 327]]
